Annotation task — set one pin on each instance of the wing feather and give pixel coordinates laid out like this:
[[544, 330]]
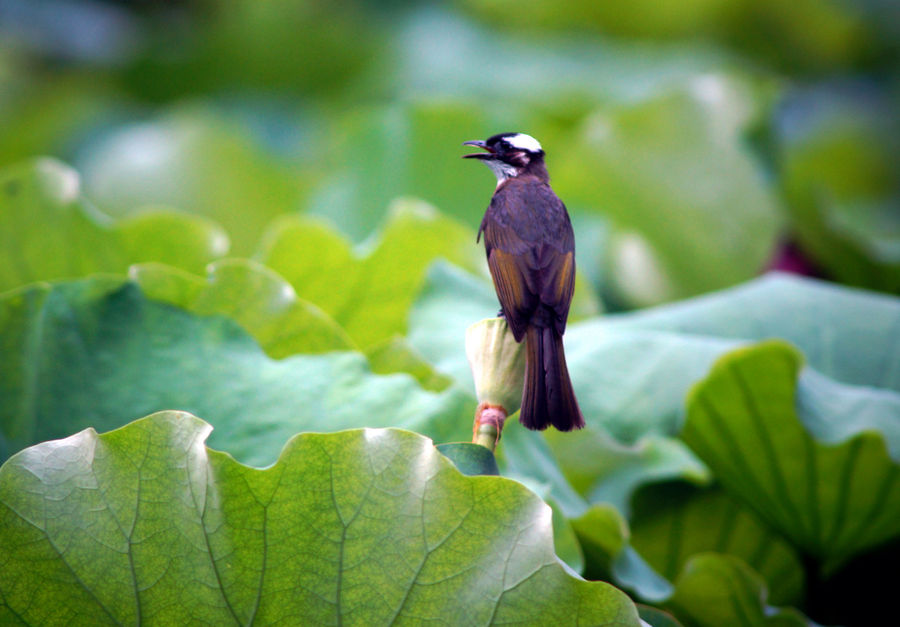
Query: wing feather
[[530, 249]]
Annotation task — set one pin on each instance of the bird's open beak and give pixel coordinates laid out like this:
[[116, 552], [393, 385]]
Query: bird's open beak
[[478, 155]]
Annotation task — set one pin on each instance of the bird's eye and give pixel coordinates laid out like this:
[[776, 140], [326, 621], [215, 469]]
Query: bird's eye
[[505, 145]]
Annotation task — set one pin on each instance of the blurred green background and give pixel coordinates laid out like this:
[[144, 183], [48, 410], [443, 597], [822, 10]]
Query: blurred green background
[[696, 142]]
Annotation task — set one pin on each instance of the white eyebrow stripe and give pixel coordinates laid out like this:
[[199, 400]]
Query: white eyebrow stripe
[[524, 142]]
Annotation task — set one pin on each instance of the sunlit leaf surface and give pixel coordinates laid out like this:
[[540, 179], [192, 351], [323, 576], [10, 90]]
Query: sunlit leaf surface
[[363, 527]]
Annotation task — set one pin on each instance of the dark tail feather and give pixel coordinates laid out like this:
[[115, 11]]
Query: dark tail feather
[[548, 397]]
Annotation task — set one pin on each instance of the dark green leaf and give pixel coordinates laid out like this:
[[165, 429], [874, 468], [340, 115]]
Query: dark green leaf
[[470, 459], [840, 176], [655, 617], [674, 521], [715, 590], [825, 479]]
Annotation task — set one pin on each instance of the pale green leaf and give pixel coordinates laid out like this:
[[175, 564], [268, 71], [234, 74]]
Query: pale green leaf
[[49, 231], [363, 527], [368, 292], [252, 295], [196, 160]]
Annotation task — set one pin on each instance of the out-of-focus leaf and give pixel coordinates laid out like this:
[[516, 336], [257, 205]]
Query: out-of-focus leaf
[[252, 295], [99, 353], [821, 473], [565, 542], [48, 117], [603, 534], [672, 522], [194, 159], [410, 149], [368, 294], [470, 459], [605, 538], [656, 617], [715, 590], [674, 171], [844, 333], [839, 156], [773, 32], [524, 455], [514, 77], [610, 553], [268, 47], [396, 355], [49, 231], [848, 335], [606, 471], [450, 300], [365, 526]]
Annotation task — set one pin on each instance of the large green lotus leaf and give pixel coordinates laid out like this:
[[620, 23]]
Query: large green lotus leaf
[[847, 334], [819, 464], [99, 353], [49, 231], [362, 527], [840, 177], [674, 174], [254, 296], [674, 521], [196, 160], [631, 371]]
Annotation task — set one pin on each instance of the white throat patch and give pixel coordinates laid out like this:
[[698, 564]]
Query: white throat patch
[[524, 142], [501, 170]]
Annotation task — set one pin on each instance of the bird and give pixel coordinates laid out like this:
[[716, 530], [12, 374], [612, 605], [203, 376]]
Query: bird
[[530, 248]]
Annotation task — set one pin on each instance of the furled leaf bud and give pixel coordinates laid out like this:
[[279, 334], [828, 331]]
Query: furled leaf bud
[[498, 367]]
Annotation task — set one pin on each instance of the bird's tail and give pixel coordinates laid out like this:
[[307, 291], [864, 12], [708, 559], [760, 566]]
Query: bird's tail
[[548, 397]]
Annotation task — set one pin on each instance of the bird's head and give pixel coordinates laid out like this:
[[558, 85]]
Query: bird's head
[[510, 154]]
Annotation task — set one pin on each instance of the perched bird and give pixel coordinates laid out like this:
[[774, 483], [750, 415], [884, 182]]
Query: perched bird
[[531, 255]]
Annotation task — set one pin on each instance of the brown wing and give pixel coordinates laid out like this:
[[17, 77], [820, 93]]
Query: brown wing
[[530, 248]]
